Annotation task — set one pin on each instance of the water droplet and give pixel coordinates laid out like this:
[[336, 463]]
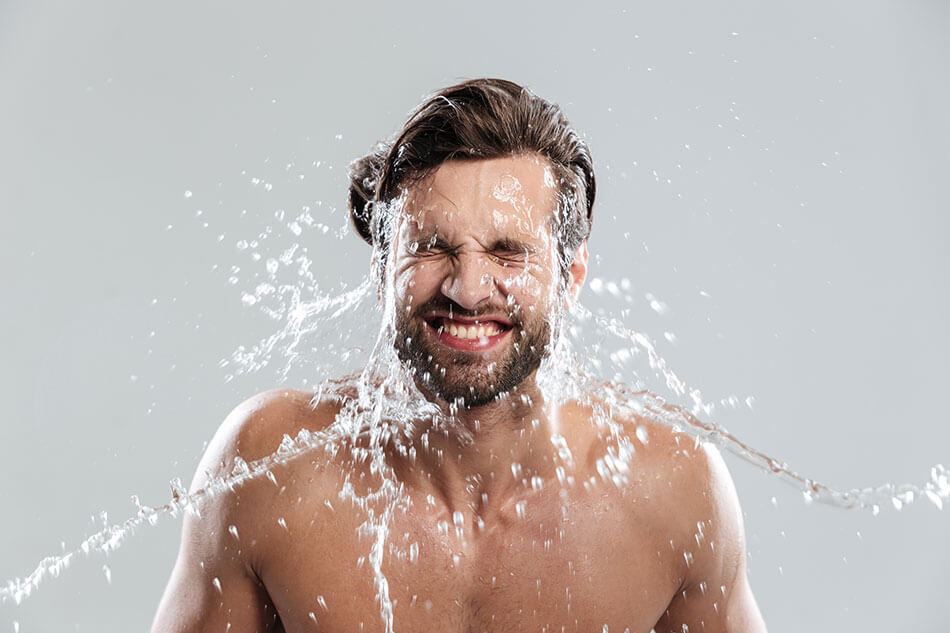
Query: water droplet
[[178, 490], [520, 509], [240, 467], [656, 305], [642, 434], [934, 499]]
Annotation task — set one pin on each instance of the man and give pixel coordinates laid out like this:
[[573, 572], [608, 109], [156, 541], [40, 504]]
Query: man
[[481, 500]]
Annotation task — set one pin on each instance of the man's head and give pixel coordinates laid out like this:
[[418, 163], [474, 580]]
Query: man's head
[[479, 211], [476, 119]]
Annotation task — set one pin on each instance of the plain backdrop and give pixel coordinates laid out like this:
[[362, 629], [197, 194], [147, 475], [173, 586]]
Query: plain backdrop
[[774, 173]]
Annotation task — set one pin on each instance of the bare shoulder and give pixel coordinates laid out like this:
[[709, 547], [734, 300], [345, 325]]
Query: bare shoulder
[[216, 582], [693, 482], [256, 427], [660, 448], [689, 486], [253, 431], [683, 480]]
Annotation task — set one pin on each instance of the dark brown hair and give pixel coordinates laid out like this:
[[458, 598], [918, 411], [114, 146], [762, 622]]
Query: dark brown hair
[[477, 119]]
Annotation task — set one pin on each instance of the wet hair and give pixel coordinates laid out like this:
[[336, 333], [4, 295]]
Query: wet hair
[[476, 119]]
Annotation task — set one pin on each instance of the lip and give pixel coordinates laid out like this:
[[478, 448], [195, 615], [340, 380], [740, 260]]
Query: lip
[[485, 318], [479, 344]]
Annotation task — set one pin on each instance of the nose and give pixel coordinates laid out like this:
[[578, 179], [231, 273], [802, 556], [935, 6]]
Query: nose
[[469, 281]]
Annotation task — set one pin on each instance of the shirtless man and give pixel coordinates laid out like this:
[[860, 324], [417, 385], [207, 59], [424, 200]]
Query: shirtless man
[[510, 519]]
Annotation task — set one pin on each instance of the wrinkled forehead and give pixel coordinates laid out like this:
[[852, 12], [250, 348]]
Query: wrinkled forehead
[[510, 196]]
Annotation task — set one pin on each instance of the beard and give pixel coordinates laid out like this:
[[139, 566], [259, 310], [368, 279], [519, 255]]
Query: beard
[[469, 378]]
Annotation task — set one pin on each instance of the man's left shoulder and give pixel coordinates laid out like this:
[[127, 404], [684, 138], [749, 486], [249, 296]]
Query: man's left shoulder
[[697, 496], [670, 464], [684, 473], [682, 484]]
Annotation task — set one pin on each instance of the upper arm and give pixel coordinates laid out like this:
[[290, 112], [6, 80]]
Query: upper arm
[[715, 595], [211, 588], [214, 586]]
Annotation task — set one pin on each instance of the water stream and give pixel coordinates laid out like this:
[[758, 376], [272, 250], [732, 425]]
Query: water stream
[[338, 325]]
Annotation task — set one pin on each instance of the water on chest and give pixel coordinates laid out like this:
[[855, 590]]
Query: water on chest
[[540, 567], [543, 567]]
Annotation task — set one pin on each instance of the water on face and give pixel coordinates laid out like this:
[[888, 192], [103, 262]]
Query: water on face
[[346, 343]]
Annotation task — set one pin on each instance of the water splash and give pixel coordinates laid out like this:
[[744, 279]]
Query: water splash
[[386, 417], [387, 403]]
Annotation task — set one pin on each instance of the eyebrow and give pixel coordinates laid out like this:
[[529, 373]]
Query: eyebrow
[[511, 245], [432, 239]]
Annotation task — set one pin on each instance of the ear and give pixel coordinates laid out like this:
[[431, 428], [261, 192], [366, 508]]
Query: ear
[[577, 272]]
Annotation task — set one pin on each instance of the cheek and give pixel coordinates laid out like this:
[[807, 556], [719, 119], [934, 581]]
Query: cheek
[[534, 282], [528, 285]]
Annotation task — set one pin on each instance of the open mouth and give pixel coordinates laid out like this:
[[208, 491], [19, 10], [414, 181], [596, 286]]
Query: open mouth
[[468, 334]]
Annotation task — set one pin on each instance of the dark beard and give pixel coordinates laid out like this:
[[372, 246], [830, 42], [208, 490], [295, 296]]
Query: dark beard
[[466, 379]]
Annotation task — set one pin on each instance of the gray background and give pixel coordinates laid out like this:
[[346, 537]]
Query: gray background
[[788, 160]]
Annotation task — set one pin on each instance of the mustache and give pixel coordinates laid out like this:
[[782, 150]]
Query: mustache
[[447, 305]]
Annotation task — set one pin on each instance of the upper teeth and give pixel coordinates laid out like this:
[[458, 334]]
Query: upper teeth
[[471, 331]]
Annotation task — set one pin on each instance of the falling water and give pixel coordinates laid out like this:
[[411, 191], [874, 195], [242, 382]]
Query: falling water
[[323, 332]]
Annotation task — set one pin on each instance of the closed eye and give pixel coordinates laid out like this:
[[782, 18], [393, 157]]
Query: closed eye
[[430, 247], [509, 256], [509, 251]]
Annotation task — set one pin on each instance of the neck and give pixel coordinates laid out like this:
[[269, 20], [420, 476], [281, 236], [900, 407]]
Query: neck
[[488, 454]]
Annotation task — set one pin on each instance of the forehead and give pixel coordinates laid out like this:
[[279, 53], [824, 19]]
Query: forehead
[[509, 194]]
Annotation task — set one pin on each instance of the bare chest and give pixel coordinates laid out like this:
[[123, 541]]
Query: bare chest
[[550, 564]]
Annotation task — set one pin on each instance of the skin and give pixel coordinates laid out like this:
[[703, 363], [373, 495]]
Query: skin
[[502, 531]]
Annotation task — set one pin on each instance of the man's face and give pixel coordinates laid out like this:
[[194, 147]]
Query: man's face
[[476, 276]]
